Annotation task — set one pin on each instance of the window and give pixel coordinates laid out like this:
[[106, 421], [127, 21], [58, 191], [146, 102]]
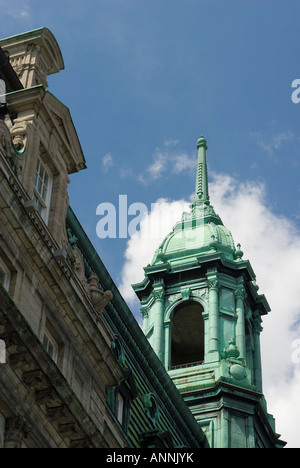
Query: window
[[227, 300], [2, 277], [2, 352], [78, 385], [119, 398], [51, 346], [42, 190], [187, 345], [119, 403], [2, 92], [5, 275]]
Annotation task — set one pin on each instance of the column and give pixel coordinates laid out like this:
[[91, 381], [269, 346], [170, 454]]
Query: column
[[158, 321], [213, 321], [145, 313], [257, 328], [240, 324], [167, 351]]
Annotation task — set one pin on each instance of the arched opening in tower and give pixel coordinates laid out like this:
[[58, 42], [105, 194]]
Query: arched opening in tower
[[187, 343]]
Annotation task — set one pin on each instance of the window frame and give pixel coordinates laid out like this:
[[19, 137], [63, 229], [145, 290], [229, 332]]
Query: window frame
[[2, 352], [115, 396], [187, 311], [6, 275], [47, 335], [43, 202], [2, 92], [120, 407]]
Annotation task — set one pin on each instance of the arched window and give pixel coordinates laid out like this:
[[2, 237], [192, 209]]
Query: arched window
[[187, 342]]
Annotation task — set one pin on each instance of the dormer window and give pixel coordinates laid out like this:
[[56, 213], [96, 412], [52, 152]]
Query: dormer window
[[42, 190]]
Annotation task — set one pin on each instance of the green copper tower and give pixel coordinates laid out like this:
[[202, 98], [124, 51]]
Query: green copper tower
[[202, 314]]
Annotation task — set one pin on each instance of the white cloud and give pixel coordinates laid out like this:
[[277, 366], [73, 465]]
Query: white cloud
[[183, 162], [107, 162], [154, 227], [157, 168], [272, 244], [15, 10], [274, 142], [168, 160]]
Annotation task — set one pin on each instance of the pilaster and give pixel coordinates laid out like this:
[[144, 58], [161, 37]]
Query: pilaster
[[257, 328], [213, 322], [158, 318], [240, 295]]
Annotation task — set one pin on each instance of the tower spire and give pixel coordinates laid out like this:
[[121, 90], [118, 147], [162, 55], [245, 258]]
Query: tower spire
[[201, 191]]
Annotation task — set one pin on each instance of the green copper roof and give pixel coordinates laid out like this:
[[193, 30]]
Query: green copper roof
[[200, 231]]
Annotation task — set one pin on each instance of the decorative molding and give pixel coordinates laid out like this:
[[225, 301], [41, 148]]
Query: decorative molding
[[99, 298], [79, 268], [158, 295], [185, 293], [173, 298], [240, 293], [144, 309], [213, 284], [202, 293], [7, 149]]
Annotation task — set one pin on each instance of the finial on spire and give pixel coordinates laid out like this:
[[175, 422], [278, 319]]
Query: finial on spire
[[201, 142], [201, 191]]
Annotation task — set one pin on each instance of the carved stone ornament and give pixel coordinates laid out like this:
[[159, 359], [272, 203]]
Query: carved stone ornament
[[22, 134], [231, 351], [237, 371], [19, 134], [15, 432], [185, 293], [158, 295], [174, 297], [145, 310], [99, 299], [213, 284], [5, 140], [203, 293], [79, 268], [6, 147], [240, 293]]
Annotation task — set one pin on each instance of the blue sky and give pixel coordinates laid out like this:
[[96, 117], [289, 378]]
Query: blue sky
[[143, 80]]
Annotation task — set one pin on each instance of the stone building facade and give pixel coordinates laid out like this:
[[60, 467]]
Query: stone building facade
[[75, 369]]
